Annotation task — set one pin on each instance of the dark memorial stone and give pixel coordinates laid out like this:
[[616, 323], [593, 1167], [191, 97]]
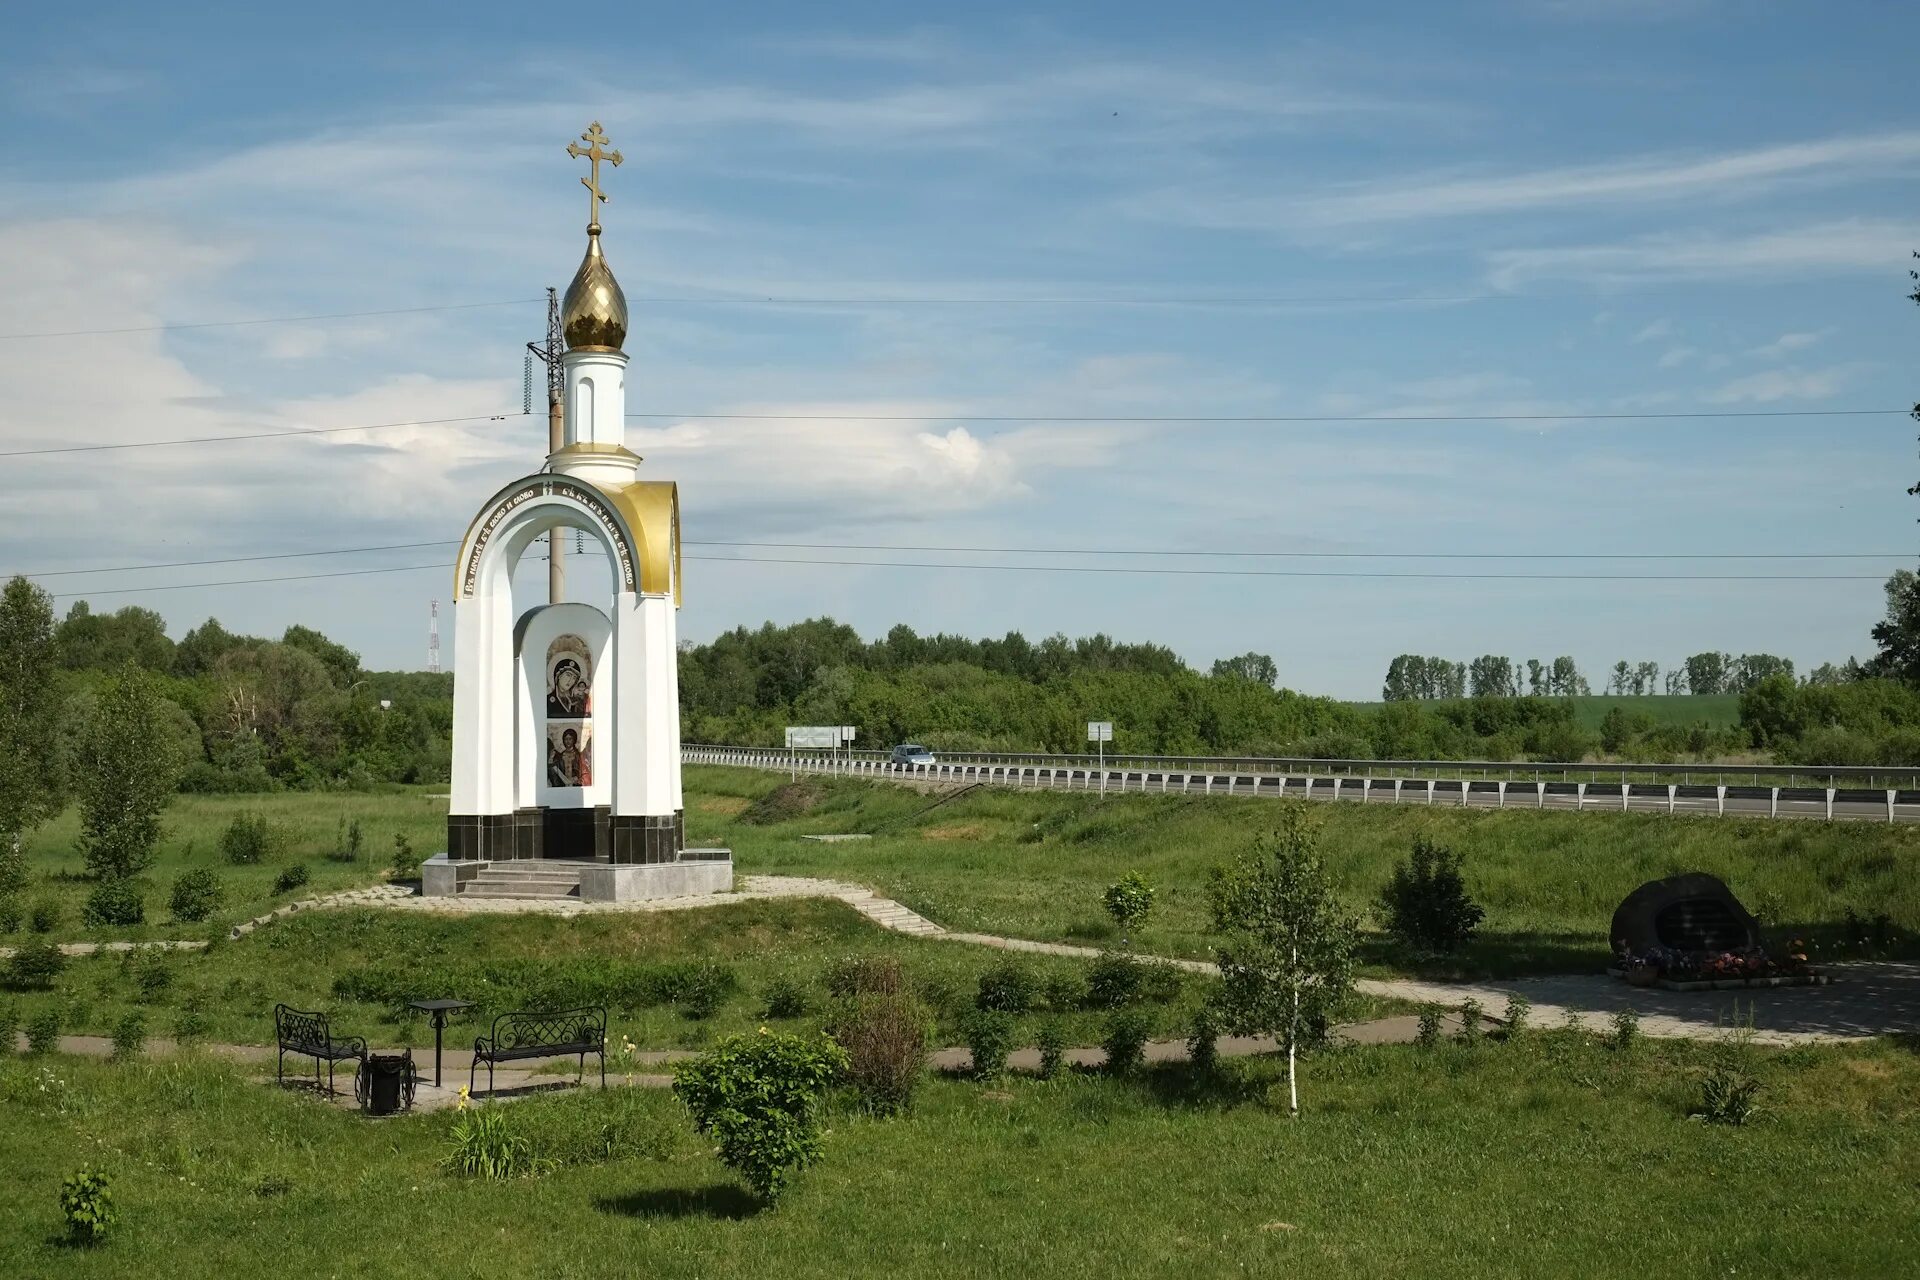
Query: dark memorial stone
[[1694, 912]]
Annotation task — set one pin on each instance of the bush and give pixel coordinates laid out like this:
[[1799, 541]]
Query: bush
[[784, 998], [1128, 902], [9, 1028], [1425, 903], [1114, 980], [87, 1205], [758, 1097], [349, 843], [290, 878], [46, 915], [1053, 1049], [885, 1037], [1203, 1046], [11, 913], [34, 966], [1471, 1012], [43, 1031], [989, 1036], [485, 1145], [129, 1036], [190, 1024], [1125, 1042], [1065, 992], [406, 863], [1428, 1035], [705, 990], [1008, 988], [865, 976], [1519, 1009], [1626, 1030], [248, 840], [151, 973], [114, 902], [196, 895]]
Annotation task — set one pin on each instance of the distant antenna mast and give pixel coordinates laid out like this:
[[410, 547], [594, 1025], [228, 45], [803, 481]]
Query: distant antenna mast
[[433, 638], [548, 353]]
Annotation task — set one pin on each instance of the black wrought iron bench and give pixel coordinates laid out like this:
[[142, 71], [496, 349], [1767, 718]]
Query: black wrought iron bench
[[301, 1032], [517, 1036]]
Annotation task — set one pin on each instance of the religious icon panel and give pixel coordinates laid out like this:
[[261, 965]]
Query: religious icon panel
[[569, 679], [569, 754]]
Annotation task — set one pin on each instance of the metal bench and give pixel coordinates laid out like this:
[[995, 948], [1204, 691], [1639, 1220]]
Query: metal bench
[[299, 1031], [516, 1036]]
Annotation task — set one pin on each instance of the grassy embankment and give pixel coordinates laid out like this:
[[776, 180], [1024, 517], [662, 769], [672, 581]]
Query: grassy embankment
[[1527, 1159]]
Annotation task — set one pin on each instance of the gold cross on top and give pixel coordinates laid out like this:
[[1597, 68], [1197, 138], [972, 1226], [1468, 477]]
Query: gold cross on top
[[595, 153]]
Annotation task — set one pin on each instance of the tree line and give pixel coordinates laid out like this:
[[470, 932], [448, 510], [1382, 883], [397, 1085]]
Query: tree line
[[1411, 676]]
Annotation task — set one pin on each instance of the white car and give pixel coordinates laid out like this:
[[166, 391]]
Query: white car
[[911, 753]]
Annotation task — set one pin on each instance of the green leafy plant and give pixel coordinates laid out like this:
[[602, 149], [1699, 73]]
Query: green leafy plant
[[1064, 992], [45, 916], [1519, 1010], [1425, 902], [190, 1024], [1427, 1035], [406, 862], [9, 1028], [705, 990], [1471, 1013], [865, 975], [114, 902], [86, 1202], [484, 1144], [1729, 1091], [1286, 953], [12, 914], [290, 878], [1008, 988], [196, 894], [249, 839], [1115, 980], [1626, 1030], [129, 1036], [348, 842], [127, 766], [1125, 1041], [989, 1037], [34, 965], [784, 998], [885, 1038], [151, 973], [1128, 902], [1053, 1048], [1203, 1044], [759, 1098], [43, 1031]]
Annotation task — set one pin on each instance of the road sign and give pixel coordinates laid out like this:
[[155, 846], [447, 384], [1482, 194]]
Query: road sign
[[848, 733], [1099, 731], [814, 737]]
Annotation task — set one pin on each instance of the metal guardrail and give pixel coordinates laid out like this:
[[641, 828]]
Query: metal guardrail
[[1451, 785]]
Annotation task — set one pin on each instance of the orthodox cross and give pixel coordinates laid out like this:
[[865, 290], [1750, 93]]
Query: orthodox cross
[[595, 153]]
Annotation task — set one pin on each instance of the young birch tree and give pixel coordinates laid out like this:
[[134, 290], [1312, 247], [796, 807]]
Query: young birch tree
[[1286, 957]]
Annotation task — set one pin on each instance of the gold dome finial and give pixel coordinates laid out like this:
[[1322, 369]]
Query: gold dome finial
[[594, 314]]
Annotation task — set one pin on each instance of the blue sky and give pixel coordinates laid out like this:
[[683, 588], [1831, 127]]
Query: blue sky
[[1547, 207]]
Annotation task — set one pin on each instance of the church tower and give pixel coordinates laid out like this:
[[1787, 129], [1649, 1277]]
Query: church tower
[[566, 717]]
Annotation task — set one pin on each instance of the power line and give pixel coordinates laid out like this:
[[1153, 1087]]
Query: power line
[[168, 326], [291, 433], [1256, 419], [1046, 551], [247, 582]]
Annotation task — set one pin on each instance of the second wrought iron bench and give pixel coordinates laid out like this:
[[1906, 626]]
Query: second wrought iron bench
[[518, 1036]]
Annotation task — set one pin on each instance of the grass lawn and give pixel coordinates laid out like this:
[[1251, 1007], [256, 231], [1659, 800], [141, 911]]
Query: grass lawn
[[1033, 864], [1553, 1156]]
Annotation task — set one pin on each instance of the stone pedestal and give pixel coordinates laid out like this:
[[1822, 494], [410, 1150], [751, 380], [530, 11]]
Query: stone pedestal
[[697, 871], [441, 876]]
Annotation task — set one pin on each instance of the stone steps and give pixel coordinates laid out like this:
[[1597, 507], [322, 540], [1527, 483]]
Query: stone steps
[[532, 879]]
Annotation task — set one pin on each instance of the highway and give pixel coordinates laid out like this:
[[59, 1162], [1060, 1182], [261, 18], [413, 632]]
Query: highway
[[1837, 803]]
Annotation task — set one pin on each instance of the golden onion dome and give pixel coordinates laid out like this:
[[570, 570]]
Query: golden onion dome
[[593, 315]]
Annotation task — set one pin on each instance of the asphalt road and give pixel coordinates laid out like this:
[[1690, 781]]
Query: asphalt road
[[1846, 805]]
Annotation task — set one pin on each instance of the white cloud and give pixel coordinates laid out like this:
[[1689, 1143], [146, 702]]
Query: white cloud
[[1783, 384], [1785, 344], [1854, 244], [1674, 357], [1654, 332]]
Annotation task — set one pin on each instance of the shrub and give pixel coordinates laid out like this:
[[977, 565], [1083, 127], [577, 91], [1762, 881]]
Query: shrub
[[114, 902], [989, 1036], [1425, 903], [1471, 1012], [866, 976], [129, 1036], [1008, 988], [406, 863], [46, 915], [248, 840], [1065, 992], [11, 913], [1428, 1035], [1203, 1046], [43, 1031], [758, 1097], [1519, 1008], [1626, 1030], [196, 895], [348, 843], [151, 973], [9, 1028], [13, 869], [1128, 902], [705, 990], [485, 1145], [1728, 1095], [1114, 980], [885, 1038], [190, 1024], [1126, 1041], [1053, 1048], [87, 1205], [784, 998], [290, 878], [34, 966]]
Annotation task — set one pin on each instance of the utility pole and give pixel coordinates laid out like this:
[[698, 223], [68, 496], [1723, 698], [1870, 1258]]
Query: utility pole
[[549, 353], [433, 638]]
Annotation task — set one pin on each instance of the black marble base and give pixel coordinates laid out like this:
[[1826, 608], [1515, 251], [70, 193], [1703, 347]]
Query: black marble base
[[542, 832]]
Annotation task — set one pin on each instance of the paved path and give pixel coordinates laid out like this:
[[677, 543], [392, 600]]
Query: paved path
[[1870, 999]]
